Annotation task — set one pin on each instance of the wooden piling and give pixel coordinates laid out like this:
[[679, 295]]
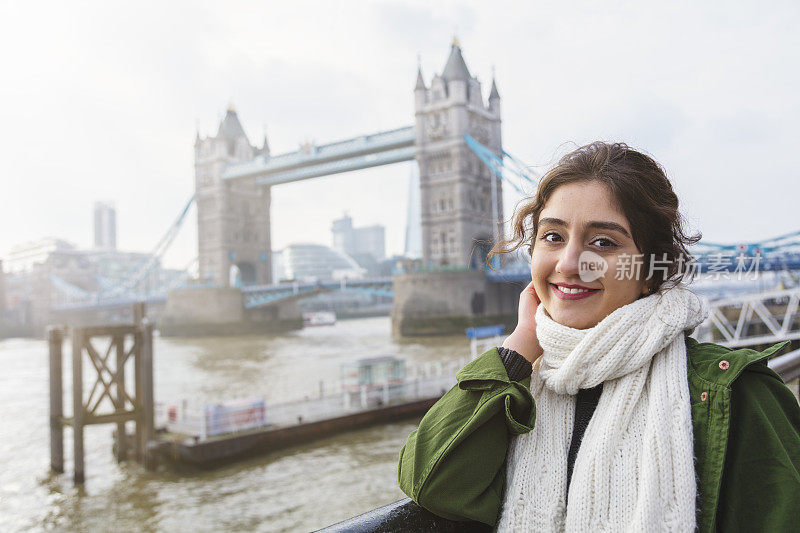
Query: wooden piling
[[147, 402], [77, 403], [138, 311], [139, 441], [119, 397], [55, 341]]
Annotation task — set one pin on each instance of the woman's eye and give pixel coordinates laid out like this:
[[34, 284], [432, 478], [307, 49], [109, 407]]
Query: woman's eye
[[609, 243], [602, 242], [551, 234]]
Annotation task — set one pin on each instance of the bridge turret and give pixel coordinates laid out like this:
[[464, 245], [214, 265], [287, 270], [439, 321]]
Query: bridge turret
[[232, 136], [455, 187], [232, 219], [420, 91], [494, 98], [265, 146], [456, 74]]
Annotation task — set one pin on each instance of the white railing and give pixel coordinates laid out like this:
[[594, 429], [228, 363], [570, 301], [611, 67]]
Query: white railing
[[775, 313], [426, 380]]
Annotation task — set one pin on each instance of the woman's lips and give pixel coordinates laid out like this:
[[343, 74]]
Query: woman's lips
[[567, 296]]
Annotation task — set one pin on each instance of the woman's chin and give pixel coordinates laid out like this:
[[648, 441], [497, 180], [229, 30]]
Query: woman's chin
[[573, 318]]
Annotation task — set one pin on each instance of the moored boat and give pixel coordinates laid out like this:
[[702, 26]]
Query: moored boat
[[319, 318]]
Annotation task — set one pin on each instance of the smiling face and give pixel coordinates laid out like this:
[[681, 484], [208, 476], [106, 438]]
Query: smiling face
[[582, 217]]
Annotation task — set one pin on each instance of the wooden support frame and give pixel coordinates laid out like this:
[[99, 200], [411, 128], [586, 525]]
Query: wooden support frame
[[127, 346]]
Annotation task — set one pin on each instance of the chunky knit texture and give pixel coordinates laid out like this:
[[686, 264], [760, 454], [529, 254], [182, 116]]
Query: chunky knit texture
[[634, 470]]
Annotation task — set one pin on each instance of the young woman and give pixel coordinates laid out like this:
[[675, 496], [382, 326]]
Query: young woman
[[600, 412]]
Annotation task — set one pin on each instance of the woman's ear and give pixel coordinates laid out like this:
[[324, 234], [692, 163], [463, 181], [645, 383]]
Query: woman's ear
[[646, 289]]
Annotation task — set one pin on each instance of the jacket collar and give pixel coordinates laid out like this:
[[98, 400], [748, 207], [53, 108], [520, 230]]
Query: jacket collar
[[711, 362], [720, 365]]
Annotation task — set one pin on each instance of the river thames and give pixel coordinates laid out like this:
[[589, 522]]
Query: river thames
[[296, 489]]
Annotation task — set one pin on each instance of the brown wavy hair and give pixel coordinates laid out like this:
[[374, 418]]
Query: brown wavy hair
[[643, 193]]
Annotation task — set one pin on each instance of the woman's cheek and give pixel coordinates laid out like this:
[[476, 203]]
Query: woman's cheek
[[538, 274], [611, 271], [619, 270]]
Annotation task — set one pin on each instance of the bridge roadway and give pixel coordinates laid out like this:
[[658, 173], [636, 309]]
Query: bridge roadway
[[254, 295], [514, 271], [261, 295], [313, 161]]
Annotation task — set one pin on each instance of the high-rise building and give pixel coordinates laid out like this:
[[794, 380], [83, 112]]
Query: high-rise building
[[105, 226], [355, 242], [413, 243], [343, 234]]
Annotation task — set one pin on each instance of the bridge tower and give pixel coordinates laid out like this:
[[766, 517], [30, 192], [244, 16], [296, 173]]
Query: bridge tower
[[455, 186], [232, 215]]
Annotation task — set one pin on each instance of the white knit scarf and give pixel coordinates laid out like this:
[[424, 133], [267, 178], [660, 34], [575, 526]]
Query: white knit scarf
[[634, 470]]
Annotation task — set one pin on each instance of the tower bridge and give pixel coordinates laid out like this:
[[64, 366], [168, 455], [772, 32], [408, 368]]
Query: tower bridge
[[460, 196]]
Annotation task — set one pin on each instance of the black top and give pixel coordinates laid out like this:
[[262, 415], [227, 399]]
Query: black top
[[585, 403], [518, 368]]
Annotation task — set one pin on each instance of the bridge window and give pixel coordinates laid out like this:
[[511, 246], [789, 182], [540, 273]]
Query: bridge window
[[441, 204], [450, 203]]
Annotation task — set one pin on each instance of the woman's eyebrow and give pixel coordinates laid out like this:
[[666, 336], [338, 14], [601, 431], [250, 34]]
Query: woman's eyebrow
[[598, 224]]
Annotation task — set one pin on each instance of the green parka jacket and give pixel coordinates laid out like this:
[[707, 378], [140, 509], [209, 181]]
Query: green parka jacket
[[746, 425]]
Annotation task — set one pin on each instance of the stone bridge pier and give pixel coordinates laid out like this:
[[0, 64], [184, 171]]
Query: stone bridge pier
[[447, 302], [206, 311]]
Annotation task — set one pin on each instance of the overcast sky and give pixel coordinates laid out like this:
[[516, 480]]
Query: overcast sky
[[101, 101]]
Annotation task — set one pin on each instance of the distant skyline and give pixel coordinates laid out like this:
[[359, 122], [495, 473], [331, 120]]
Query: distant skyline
[[101, 102]]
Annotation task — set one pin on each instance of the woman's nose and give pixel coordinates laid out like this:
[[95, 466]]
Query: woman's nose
[[567, 264]]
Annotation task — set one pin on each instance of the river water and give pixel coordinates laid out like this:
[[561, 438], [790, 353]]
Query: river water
[[297, 489]]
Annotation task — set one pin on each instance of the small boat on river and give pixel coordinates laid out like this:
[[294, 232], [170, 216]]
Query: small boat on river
[[319, 318]]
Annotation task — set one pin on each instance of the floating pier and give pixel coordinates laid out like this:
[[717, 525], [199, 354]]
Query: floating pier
[[176, 448], [374, 390]]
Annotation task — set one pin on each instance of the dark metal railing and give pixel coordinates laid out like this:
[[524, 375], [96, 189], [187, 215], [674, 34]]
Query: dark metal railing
[[405, 515]]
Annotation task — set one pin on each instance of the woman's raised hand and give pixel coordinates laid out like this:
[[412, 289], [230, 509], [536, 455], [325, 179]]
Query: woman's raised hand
[[523, 339]]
